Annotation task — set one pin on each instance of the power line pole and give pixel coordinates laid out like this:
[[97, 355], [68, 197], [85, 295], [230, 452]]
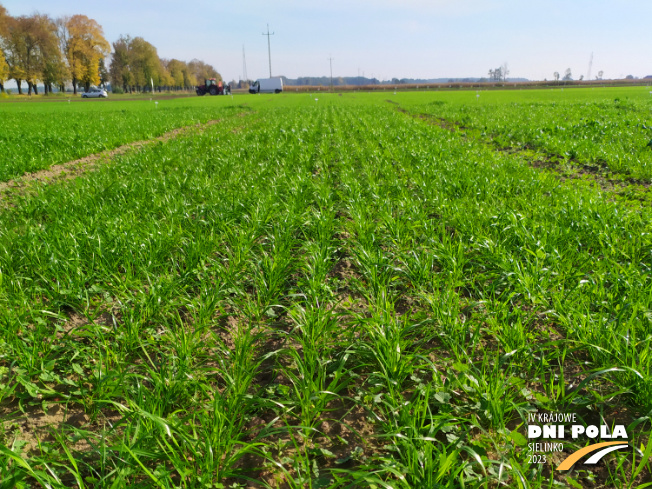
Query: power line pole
[[244, 65], [331, 63], [269, 49]]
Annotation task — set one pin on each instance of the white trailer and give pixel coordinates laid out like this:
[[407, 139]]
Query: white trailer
[[267, 85]]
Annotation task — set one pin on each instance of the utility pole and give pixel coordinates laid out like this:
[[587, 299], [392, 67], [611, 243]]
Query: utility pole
[[244, 66], [331, 62], [269, 49]]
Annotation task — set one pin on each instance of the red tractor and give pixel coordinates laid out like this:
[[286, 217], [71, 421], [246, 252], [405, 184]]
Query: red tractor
[[211, 86]]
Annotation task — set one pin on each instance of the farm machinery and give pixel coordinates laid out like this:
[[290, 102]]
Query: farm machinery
[[213, 87]]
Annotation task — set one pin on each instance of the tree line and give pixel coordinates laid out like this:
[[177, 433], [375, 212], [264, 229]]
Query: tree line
[[135, 66], [72, 51]]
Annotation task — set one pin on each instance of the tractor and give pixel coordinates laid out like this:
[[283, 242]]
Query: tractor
[[211, 86]]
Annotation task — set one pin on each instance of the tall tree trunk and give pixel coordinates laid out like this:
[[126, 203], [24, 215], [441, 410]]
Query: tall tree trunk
[[29, 87], [35, 89], [74, 85], [18, 83], [2, 88]]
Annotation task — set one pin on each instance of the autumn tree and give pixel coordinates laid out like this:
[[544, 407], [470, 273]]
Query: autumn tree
[[62, 41], [119, 69], [30, 48], [103, 73], [3, 20], [52, 67], [202, 71], [136, 64], [4, 72], [144, 62], [189, 78], [176, 69], [4, 67], [85, 48], [165, 78], [13, 47]]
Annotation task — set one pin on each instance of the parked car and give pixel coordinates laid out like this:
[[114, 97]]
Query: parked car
[[95, 92]]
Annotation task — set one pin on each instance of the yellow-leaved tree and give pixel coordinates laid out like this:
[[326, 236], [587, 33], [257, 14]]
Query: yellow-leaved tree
[[165, 77], [86, 48], [4, 67], [175, 68], [4, 72], [203, 71]]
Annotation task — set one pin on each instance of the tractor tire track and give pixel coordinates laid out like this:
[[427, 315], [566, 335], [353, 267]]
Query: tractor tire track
[[562, 167]]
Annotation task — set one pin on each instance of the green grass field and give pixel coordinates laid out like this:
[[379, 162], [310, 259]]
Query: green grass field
[[36, 135], [325, 291]]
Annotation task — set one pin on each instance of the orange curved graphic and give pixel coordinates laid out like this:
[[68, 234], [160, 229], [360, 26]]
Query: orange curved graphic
[[574, 457]]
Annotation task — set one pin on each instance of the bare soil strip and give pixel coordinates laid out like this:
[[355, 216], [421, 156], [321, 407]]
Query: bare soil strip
[[73, 169]]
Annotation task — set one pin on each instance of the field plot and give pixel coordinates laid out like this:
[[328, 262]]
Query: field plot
[[34, 136], [602, 130], [331, 291]]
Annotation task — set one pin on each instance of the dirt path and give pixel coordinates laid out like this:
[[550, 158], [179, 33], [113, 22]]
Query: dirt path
[[73, 169]]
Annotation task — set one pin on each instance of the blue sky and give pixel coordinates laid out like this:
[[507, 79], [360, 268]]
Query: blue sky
[[382, 38]]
